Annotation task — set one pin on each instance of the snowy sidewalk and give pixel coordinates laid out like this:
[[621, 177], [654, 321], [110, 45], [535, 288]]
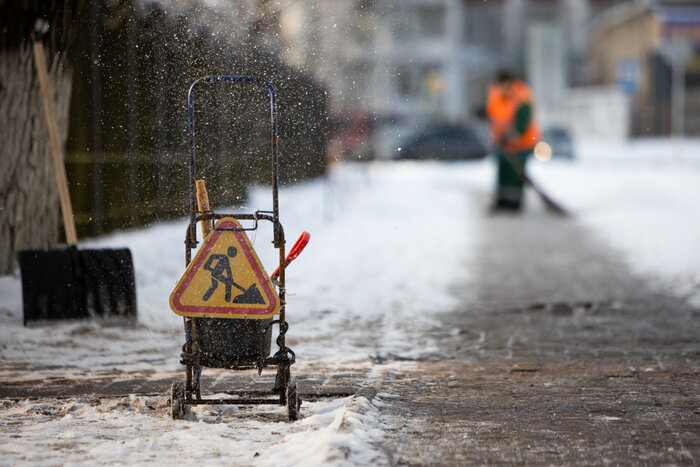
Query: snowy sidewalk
[[86, 393], [402, 290], [561, 357]]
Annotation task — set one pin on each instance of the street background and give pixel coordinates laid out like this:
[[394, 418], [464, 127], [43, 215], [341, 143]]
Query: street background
[[401, 292], [427, 329]]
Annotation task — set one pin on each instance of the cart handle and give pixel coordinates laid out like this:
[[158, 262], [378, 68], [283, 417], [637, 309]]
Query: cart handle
[[278, 239], [298, 247]]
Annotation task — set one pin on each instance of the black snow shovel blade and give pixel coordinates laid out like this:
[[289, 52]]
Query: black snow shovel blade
[[74, 284]]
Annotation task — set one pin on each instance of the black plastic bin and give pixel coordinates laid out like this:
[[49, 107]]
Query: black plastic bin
[[229, 343]]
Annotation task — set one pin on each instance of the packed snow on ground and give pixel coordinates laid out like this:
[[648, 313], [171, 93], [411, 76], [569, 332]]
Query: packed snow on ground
[[138, 430], [387, 244], [641, 197], [390, 243]]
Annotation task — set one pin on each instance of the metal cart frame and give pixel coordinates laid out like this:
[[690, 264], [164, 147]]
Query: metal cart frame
[[193, 356]]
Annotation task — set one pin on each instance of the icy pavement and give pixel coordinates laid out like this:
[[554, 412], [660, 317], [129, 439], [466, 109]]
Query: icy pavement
[[353, 296], [562, 357], [395, 248]]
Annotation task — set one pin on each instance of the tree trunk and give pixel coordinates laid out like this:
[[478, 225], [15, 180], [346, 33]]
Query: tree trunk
[[29, 210]]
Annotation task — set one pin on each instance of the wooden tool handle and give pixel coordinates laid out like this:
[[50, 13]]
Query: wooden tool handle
[[56, 149], [203, 205]]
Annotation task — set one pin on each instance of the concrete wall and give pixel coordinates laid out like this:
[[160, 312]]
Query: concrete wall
[[601, 112], [632, 38], [546, 70]]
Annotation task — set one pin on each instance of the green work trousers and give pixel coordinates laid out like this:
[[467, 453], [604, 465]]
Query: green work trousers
[[509, 187]]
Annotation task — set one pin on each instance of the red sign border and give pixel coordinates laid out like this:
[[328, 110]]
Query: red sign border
[[219, 311]]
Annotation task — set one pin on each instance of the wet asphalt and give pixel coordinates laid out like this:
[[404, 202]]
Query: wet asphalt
[[559, 356]]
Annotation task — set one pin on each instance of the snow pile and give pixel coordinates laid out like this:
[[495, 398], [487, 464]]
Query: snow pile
[[641, 197], [387, 244], [337, 432], [139, 430]]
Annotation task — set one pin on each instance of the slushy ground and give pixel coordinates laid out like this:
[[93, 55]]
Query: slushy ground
[[408, 278]]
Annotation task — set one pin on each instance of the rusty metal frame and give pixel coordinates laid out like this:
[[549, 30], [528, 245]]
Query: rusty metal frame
[[284, 357]]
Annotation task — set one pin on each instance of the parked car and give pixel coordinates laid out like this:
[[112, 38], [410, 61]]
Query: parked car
[[351, 138], [559, 139], [444, 142]]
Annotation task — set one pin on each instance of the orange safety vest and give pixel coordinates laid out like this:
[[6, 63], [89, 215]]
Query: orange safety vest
[[501, 108]]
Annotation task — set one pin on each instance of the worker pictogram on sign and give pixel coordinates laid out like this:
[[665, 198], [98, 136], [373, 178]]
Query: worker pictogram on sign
[[225, 279]]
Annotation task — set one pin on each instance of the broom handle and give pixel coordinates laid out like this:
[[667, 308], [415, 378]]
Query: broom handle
[[56, 149], [203, 206]]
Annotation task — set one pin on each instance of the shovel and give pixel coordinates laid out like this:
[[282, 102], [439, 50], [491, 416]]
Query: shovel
[[72, 283], [549, 203], [296, 250]]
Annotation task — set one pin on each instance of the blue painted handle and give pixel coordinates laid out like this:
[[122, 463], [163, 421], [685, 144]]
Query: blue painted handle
[[273, 136]]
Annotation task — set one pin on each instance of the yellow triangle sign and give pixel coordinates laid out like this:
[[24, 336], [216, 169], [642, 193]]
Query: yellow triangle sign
[[225, 279]]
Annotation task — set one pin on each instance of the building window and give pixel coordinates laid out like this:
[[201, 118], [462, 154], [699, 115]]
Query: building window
[[482, 26], [416, 81], [362, 28], [432, 21], [403, 81], [420, 22]]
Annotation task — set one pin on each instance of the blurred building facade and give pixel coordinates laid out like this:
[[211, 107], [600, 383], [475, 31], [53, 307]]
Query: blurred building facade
[[421, 61], [416, 52], [651, 52], [416, 61]]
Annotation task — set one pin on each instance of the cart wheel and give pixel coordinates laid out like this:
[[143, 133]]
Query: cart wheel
[[293, 401], [177, 400]]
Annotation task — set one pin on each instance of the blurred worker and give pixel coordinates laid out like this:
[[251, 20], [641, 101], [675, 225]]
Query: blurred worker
[[509, 108]]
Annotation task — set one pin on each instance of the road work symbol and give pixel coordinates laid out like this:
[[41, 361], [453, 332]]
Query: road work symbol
[[225, 279], [220, 269]]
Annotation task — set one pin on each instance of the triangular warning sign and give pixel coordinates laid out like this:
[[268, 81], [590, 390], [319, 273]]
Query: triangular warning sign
[[225, 279]]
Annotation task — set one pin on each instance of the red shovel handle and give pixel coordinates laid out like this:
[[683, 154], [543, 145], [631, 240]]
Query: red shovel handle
[[299, 245]]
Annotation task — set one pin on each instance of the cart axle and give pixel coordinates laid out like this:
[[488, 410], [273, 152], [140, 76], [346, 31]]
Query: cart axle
[[234, 402]]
